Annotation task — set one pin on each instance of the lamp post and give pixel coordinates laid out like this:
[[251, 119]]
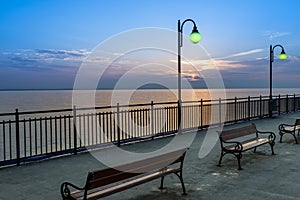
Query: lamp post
[[195, 37], [282, 56]]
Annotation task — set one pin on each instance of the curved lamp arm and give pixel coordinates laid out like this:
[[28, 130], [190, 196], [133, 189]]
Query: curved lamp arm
[[195, 36], [282, 55]]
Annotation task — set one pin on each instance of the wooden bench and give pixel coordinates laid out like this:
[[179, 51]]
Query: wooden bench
[[291, 129], [238, 140], [108, 181]]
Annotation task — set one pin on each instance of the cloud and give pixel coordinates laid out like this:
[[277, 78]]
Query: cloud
[[272, 35], [42, 60], [45, 54], [61, 54], [245, 53]]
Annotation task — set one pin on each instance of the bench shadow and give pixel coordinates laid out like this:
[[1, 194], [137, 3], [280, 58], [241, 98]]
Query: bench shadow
[[165, 194], [250, 157]]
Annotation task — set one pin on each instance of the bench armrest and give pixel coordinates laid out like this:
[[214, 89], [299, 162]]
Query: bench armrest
[[281, 127], [271, 136], [238, 145], [65, 190]]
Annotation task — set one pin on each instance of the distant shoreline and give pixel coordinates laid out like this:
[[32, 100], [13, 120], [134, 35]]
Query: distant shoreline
[[67, 89]]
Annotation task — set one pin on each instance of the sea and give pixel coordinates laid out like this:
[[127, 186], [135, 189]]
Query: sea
[[36, 100]]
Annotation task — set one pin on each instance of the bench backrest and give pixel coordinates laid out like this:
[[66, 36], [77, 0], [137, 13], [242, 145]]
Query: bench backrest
[[237, 132], [112, 175]]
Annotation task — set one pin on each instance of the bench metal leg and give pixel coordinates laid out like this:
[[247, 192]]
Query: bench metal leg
[[162, 183], [254, 150], [182, 183], [220, 160], [281, 134], [239, 156], [272, 147], [294, 134]]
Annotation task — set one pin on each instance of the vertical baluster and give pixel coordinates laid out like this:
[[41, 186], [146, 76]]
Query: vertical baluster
[[41, 136], [96, 128], [51, 135], [102, 126], [287, 103], [75, 129], [201, 114], [4, 140], [80, 130], [89, 129], [65, 132], [24, 137], [126, 131], [46, 135], [279, 104], [70, 132], [55, 128], [10, 140], [84, 130], [107, 127], [152, 119], [60, 131], [235, 109], [118, 125], [260, 106], [17, 137], [249, 108], [35, 136], [93, 129]]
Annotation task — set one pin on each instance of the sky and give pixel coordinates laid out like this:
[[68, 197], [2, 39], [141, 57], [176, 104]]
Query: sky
[[44, 43]]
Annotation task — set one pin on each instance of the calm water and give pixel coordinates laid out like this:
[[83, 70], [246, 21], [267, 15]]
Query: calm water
[[58, 99]]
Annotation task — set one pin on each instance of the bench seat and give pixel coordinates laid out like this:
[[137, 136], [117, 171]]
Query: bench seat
[[289, 128], [249, 144], [238, 140], [105, 182], [106, 191]]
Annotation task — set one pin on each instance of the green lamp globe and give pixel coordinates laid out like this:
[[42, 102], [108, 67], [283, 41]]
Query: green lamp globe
[[195, 36], [282, 56]]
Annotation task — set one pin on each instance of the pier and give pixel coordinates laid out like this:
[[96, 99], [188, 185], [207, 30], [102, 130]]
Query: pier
[[264, 176]]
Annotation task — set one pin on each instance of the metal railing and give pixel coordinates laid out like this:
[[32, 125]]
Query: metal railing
[[35, 135]]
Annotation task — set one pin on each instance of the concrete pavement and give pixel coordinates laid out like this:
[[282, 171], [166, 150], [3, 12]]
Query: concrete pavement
[[264, 176]]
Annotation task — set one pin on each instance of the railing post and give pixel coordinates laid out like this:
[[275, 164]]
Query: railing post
[[17, 136], [152, 119], [294, 102], [179, 116], [235, 109], [75, 129], [249, 108], [201, 113], [287, 103], [260, 106], [279, 106], [118, 125], [220, 111]]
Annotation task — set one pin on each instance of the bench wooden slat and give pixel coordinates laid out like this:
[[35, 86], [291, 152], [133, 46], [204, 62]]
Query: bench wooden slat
[[250, 144], [238, 132], [107, 181], [292, 128], [111, 175], [100, 192]]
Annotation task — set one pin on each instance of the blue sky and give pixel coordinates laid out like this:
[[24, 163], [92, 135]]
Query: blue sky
[[43, 43]]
